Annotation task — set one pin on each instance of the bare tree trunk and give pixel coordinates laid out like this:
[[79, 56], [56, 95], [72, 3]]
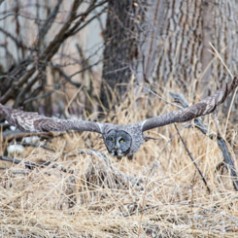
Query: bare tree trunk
[[188, 29], [131, 46], [198, 46], [120, 49]]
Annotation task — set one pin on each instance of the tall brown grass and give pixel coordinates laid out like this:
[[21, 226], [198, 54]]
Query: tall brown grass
[[158, 194]]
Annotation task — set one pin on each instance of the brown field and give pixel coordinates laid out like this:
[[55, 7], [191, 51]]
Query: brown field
[[158, 194]]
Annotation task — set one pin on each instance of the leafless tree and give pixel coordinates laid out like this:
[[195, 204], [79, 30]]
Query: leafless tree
[[41, 50]]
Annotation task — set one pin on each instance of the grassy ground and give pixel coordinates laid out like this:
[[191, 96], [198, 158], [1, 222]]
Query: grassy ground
[[158, 194]]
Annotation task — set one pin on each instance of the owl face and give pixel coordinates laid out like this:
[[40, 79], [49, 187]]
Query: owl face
[[118, 142]]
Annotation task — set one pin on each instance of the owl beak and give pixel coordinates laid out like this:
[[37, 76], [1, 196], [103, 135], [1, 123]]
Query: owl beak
[[117, 145]]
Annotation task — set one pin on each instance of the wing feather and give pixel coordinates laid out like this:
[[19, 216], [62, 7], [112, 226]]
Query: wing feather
[[33, 122], [204, 107]]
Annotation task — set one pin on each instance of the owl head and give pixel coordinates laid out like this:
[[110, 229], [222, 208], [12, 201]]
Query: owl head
[[118, 142]]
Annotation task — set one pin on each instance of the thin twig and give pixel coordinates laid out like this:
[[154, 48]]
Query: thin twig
[[48, 23], [193, 160], [17, 41], [32, 165], [15, 135], [228, 161], [65, 76], [80, 24]]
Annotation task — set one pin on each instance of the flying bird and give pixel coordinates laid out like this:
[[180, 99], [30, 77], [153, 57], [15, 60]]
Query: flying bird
[[120, 140]]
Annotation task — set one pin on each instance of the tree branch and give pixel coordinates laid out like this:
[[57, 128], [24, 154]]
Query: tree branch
[[193, 160], [32, 165], [222, 144]]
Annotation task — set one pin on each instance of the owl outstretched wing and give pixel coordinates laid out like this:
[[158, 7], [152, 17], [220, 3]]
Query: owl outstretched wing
[[204, 107], [34, 122]]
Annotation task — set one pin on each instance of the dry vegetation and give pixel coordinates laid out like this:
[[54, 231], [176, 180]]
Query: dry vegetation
[[158, 194], [84, 192]]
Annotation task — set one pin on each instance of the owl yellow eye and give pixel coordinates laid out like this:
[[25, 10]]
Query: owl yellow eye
[[121, 140]]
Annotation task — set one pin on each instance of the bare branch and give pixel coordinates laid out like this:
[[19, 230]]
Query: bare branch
[[16, 135], [65, 76], [193, 160], [48, 23], [78, 27], [222, 144], [18, 42], [32, 165], [62, 34]]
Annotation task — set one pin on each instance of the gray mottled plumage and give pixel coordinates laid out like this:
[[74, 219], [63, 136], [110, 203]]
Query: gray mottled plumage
[[134, 130], [120, 140]]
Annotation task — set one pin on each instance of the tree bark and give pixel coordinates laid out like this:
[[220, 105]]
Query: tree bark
[[198, 46], [189, 27], [119, 49]]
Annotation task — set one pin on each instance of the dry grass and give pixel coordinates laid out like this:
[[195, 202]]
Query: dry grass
[[158, 194]]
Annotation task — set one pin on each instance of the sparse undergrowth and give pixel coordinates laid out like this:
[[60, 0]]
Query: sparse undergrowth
[[158, 194]]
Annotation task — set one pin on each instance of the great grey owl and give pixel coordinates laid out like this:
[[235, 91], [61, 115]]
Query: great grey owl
[[120, 140]]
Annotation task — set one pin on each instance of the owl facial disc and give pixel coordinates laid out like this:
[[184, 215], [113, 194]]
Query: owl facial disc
[[118, 142]]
